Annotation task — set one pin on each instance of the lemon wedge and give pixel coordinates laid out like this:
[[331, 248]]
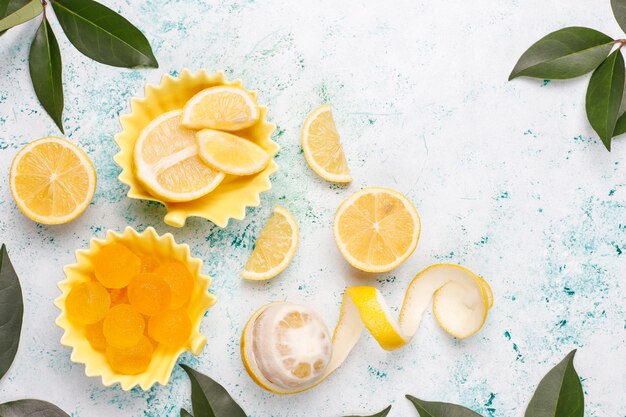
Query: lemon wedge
[[231, 154], [274, 248], [167, 162], [223, 108], [52, 181], [321, 146], [281, 336], [376, 229]]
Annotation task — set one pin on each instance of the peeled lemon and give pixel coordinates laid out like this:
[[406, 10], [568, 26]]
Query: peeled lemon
[[231, 154], [223, 108], [285, 347]]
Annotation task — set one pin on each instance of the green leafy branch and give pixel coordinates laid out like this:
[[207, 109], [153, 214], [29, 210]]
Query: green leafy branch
[[575, 51], [94, 29]]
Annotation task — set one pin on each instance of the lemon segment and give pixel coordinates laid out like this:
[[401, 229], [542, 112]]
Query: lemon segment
[[222, 108], [167, 162], [52, 181], [231, 154], [460, 306], [322, 148], [376, 229], [274, 248]]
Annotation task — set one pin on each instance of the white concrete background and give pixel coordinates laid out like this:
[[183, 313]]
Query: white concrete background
[[508, 177]]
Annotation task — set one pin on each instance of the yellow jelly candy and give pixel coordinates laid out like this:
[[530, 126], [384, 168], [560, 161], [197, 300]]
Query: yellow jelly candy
[[123, 326], [87, 303], [132, 360], [149, 263], [95, 336], [118, 296], [115, 265], [149, 294], [171, 329], [180, 281]]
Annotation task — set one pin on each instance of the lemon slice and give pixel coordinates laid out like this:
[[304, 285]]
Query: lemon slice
[[222, 108], [274, 248], [287, 360], [321, 146], [460, 300], [52, 181], [376, 229], [167, 163], [231, 154]]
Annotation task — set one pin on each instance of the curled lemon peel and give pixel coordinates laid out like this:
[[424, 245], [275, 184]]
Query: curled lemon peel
[[461, 300]]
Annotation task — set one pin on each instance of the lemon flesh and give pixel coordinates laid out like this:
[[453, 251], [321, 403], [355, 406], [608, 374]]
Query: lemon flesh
[[322, 148], [274, 248], [231, 154], [222, 108], [167, 162], [52, 181]]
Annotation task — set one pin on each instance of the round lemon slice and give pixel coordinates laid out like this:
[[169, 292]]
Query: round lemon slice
[[274, 248], [461, 300], [223, 108], [52, 181], [322, 148], [231, 154], [167, 162], [296, 349], [376, 229]]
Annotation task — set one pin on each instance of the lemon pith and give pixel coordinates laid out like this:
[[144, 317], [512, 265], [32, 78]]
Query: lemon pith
[[52, 181], [231, 154], [461, 313], [322, 148]]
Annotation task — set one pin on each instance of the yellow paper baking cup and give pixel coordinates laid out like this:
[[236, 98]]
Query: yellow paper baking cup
[[234, 194], [163, 359]]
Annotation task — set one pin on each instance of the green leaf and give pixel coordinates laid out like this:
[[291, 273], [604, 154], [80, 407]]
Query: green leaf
[[379, 414], [619, 10], [604, 96], [31, 408], [31, 10], [559, 394], [433, 409], [185, 413], [210, 399], [103, 35], [46, 72], [11, 312], [566, 53], [620, 126]]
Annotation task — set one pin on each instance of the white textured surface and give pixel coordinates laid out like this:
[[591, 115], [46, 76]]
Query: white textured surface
[[509, 180]]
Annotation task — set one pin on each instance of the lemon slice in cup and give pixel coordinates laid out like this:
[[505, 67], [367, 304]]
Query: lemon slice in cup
[[167, 163], [274, 248], [231, 154], [222, 107], [272, 344]]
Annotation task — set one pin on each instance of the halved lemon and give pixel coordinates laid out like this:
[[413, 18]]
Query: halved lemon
[[52, 181], [376, 229], [167, 162], [321, 146], [222, 108], [274, 248], [231, 154]]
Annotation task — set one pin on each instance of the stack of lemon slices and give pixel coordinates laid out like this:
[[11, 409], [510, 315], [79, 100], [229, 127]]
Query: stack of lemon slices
[[185, 154]]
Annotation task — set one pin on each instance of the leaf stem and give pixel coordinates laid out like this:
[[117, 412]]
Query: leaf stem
[[621, 42], [44, 3]]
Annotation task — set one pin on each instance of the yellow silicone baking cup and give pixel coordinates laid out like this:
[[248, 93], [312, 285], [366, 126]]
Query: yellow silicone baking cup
[[234, 194], [163, 359]]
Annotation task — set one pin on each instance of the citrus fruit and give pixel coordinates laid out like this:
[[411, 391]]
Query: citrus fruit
[[52, 181], [231, 154], [180, 281], [222, 107], [376, 229], [149, 263], [132, 360], [149, 293], [118, 296], [322, 148], [95, 336], [274, 248], [287, 347], [87, 303], [123, 326], [115, 265], [167, 163], [171, 328]]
